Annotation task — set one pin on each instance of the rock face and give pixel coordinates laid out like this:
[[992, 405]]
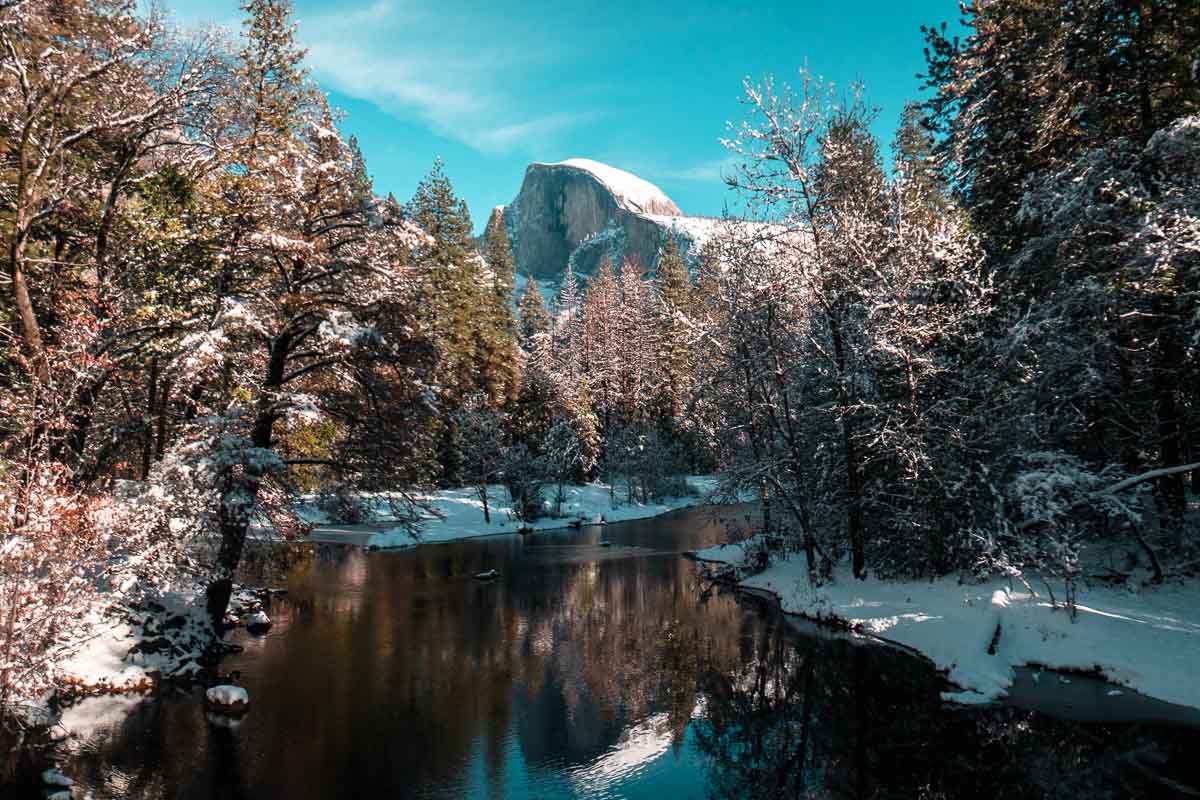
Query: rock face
[[578, 211]]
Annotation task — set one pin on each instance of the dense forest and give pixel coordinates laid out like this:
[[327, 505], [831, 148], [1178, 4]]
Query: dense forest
[[972, 353]]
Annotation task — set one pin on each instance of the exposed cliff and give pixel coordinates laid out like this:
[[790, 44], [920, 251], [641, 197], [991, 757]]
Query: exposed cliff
[[578, 211]]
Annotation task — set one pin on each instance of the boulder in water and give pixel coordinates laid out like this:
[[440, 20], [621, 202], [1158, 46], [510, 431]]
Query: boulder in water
[[227, 699], [258, 623]]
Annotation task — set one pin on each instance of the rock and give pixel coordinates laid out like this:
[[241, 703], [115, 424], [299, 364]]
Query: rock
[[579, 211], [53, 777], [227, 699], [258, 623]]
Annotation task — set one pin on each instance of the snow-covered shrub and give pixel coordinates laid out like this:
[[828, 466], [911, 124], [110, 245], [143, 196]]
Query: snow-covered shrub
[[1054, 503], [69, 561], [339, 503]]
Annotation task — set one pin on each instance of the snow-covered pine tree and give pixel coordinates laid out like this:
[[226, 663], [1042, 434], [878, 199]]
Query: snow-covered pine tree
[[674, 312], [533, 318], [637, 344], [599, 341]]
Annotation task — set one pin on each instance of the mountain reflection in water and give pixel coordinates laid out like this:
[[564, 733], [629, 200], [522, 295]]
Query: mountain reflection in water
[[585, 671]]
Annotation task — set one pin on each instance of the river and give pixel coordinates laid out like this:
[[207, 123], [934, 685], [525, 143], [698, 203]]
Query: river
[[597, 665]]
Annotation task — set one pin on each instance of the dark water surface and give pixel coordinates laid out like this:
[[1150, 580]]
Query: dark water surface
[[590, 672]]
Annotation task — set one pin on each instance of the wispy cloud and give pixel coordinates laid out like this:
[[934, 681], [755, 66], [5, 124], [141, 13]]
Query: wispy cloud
[[706, 172], [441, 70], [451, 69], [533, 133]]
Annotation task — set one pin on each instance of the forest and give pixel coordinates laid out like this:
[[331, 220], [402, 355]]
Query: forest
[[973, 350]]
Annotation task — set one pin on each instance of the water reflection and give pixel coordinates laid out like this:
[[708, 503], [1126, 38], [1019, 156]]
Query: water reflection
[[583, 671], [814, 715]]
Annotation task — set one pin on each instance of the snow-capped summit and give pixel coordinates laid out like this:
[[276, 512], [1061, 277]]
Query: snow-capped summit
[[578, 212], [631, 192]]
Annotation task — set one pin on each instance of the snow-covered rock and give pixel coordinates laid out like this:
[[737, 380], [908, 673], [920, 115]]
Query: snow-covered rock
[[227, 699], [578, 211], [53, 777], [258, 622]]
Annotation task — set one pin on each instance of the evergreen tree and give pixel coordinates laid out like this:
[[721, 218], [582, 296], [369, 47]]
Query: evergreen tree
[[453, 287], [567, 302], [358, 171], [599, 343], [636, 344], [533, 317], [569, 355], [499, 258], [499, 343], [1040, 101], [925, 189], [674, 308]]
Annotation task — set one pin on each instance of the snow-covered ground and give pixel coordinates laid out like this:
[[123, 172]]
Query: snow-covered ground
[[733, 553], [1148, 640], [113, 656], [458, 513]]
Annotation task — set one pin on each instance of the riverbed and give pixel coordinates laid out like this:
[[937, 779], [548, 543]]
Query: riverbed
[[598, 664]]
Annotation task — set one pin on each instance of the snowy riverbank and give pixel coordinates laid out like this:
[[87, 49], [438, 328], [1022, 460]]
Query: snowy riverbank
[[452, 514], [1148, 639]]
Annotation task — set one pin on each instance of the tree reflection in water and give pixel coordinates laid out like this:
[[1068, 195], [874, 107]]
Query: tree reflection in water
[[585, 671], [816, 715]]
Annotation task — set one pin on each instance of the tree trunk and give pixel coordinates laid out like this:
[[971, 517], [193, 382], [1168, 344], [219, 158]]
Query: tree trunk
[[147, 428], [241, 492], [233, 521], [30, 329], [160, 432]]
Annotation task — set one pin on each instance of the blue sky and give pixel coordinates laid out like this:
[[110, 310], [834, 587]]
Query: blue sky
[[644, 86]]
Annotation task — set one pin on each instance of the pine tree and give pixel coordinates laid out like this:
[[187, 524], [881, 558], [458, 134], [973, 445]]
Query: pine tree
[[569, 354], [599, 340], [636, 344], [924, 186], [453, 286], [567, 303], [587, 427], [674, 308], [1039, 102], [534, 319], [498, 256], [500, 343], [358, 169]]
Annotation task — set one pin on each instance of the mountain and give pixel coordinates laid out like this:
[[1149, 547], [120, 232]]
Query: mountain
[[577, 211]]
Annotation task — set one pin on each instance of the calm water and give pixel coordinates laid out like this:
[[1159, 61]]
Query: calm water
[[590, 672]]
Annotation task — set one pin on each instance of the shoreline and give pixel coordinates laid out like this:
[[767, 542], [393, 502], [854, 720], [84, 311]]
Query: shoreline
[[457, 514], [984, 637]]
